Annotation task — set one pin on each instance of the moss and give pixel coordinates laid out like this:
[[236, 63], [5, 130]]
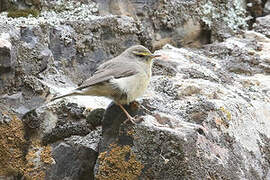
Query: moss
[[23, 13], [118, 163]]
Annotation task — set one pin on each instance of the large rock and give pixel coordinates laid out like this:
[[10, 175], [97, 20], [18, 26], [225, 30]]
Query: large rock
[[207, 108], [76, 158], [73, 142], [7, 61], [262, 25], [267, 7], [207, 120], [171, 21]]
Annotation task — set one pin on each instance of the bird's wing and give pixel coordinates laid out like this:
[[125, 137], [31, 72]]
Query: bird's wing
[[109, 70]]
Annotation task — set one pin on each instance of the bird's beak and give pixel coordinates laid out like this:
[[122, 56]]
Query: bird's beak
[[154, 56]]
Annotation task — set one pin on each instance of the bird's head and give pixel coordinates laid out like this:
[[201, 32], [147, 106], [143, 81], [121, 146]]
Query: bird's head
[[141, 53]]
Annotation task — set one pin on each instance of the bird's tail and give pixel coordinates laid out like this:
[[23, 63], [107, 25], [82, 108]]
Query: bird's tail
[[66, 95]]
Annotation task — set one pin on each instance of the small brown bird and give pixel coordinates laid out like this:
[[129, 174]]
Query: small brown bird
[[122, 79]]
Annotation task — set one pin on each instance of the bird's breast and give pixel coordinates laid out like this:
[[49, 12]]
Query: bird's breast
[[134, 86]]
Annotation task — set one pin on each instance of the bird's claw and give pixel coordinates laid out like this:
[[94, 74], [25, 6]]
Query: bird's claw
[[134, 120]]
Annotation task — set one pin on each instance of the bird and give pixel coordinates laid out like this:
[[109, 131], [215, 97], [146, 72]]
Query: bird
[[122, 79]]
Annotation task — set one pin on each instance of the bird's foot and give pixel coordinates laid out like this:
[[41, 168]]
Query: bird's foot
[[134, 120], [137, 105]]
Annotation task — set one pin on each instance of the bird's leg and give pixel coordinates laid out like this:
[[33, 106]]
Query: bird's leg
[[131, 119]]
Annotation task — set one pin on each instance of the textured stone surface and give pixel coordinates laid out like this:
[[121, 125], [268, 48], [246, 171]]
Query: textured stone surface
[[266, 9], [75, 159], [200, 119], [205, 114], [173, 20], [262, 25], [7, 61]]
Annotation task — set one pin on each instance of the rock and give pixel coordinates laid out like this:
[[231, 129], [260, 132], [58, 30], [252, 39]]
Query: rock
[[53, 125], [65, 131], [5, 5], [249, 59], [266, 9], [176, 20], [76, 158], [4, 118], [200, 127], [204, 115], [164, 68], [95, 117], [28, 158], [262, 25], [5, 53], [110, 127], [255, 7], [7, 61]]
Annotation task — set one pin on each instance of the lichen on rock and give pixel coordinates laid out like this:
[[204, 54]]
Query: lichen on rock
[[119, 163]]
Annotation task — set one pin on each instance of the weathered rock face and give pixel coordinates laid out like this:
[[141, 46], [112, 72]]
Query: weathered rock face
[[205, 120], [182, 23], [266, 9], [262, 25], [76, 158], [7, 61], [205, 114]]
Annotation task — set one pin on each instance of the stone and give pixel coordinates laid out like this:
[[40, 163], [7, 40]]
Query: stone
[[5, 5], [75, 157], [95, 117], [5, 54], [7, 61], [266, 9], [200, 127], [204, 115], [255, 7], [262, 25], [72, 162]]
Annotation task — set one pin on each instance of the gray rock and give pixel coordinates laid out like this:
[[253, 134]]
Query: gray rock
[[176, 20], [75, 158], [110, 127], [95, 117], [5, 55], [64, 131], [262, 25], [73, 161], [32, 120], [266, 9], [7, 61], [4, 118], [205, 114], [201, 131], [53, 125]]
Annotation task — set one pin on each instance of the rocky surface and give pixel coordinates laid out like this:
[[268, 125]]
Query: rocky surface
[[204, 115], [266, 9], [210, 119]]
